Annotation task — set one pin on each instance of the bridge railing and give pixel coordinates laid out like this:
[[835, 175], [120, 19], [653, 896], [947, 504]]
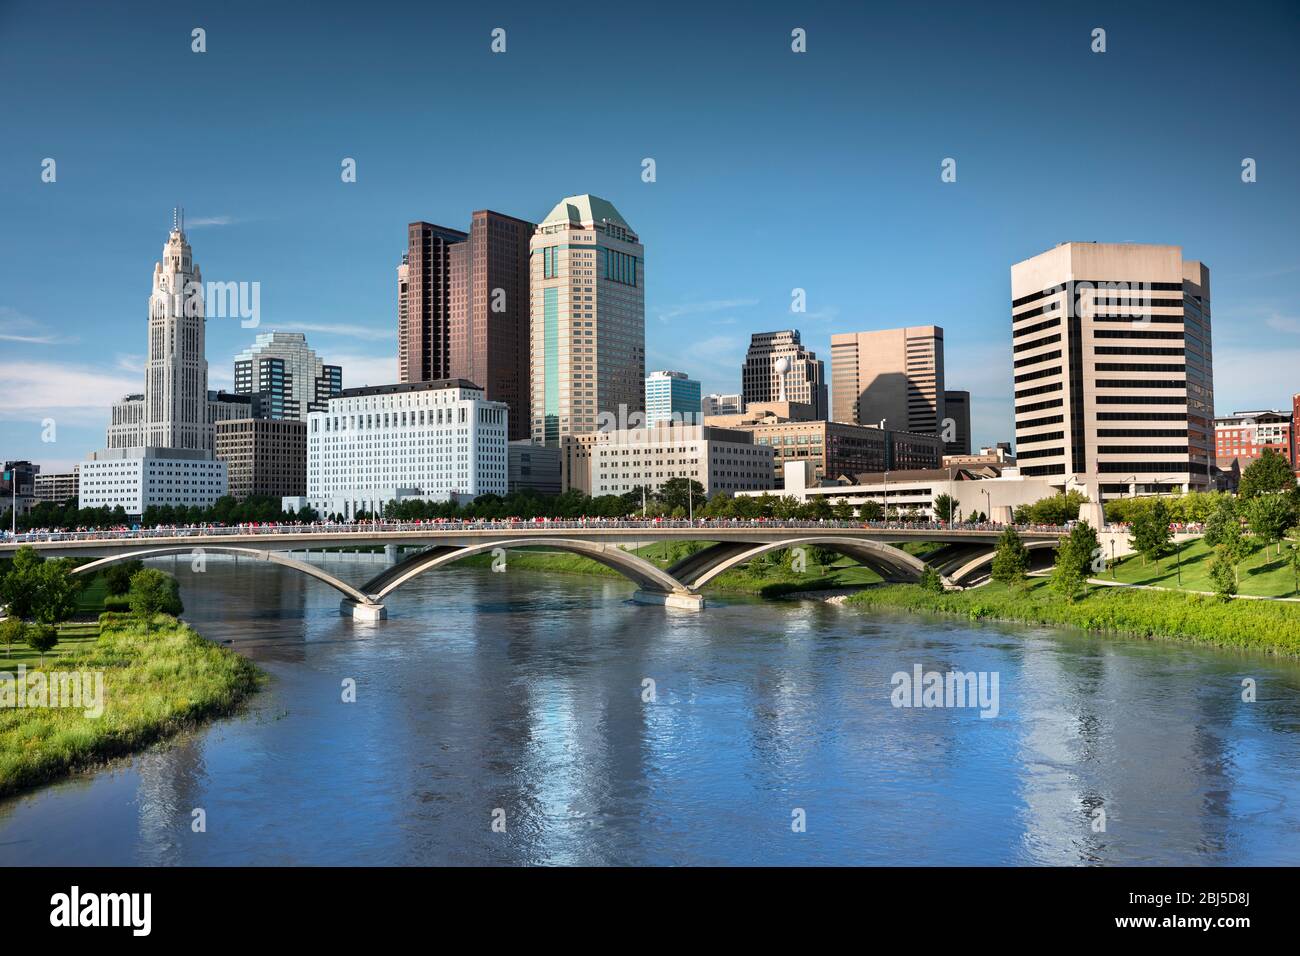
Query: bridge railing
[[453, 526]]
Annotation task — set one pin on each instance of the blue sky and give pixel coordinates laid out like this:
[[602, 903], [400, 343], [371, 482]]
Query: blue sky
[[775, 170]]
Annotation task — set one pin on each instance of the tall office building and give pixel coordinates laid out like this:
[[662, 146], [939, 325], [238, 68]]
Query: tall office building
[[489, 312], [779, 369], [287, 374], [424, 303], [672, 396], [1114, 381], [172, 412], [587, 319], [890, 374], [956, 412]]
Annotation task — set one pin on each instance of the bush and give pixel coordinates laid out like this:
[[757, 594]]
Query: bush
[[930, 580], [118, 576]]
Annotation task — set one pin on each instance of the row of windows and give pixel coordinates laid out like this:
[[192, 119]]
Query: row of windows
[[1142, 449], [1035, 359], [1037, 343]]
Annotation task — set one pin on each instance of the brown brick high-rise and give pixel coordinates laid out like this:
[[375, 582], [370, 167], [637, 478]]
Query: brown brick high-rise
[[489, 312], [424, 303]]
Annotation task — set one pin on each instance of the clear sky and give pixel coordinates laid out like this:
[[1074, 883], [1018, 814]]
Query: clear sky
[[775, 171]]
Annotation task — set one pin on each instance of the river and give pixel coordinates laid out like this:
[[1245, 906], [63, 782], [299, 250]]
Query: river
[[507, 718]]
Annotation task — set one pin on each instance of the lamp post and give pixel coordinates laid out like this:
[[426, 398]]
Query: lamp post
[[886, 494], [988, 503]]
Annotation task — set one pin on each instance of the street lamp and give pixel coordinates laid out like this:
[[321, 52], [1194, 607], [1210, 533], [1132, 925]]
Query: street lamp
[[988, 503], [886, 487]]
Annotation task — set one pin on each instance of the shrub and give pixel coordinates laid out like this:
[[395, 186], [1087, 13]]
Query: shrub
[[41, 638]]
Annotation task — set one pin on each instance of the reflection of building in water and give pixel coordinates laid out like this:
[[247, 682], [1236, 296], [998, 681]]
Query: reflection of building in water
[[1076, 758], [171, 787]]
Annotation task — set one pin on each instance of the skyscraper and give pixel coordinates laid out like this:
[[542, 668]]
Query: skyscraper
[[672, 396], [956, 409], [174, 411], [779, 369], [489, 312], [890, 374], [1111, 355], [424, 303], [587, 319], [289, 376]]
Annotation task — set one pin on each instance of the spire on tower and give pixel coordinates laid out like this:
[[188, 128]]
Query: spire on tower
[[175, 218]]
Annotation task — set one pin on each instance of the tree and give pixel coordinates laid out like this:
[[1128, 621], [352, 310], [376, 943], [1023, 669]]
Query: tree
[[1219, 520], [12, 631], [1233, 547], [1268, 474], [1011, 560], [150, 594], [1269, 517], [1223, 573], [1151, 536], [41, 638], [930, 579], [871, 511], [677, 493], [1293, 558], [944, 507], [1074, 560], [842, 510], [56, 591], [20, 586], [118, 576]]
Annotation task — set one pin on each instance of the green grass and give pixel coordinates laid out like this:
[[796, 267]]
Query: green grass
[[773, 582], [1266, 626], [155, 684], [1264, 572], [73, 637]]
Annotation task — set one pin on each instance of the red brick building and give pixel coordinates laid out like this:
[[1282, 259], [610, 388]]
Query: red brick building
[[1242, 437]]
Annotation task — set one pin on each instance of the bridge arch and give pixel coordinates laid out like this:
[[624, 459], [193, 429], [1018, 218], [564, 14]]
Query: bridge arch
[[968, 569], [647, 576], [255, 553], [885, 559]]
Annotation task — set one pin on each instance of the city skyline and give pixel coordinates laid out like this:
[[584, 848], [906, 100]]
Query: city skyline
[[325, 256]]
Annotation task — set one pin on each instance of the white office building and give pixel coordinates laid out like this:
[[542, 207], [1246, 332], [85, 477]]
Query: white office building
[[138, 478], [671, 397], [722, 460], [437, 441]]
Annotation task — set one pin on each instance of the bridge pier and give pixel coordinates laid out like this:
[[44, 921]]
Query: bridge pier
[[684, 600], [362, 612]]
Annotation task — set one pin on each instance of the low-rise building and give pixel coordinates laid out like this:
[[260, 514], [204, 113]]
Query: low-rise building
[[136, 479], [1242, 437], [987, 490], [264, 456], [718, 403], [722, 460], [437, 441], [58, 486]]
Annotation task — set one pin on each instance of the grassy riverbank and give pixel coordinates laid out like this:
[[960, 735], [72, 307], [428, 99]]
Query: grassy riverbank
[[155, 683], [1257, 625], [767, 581], [1262, 572]]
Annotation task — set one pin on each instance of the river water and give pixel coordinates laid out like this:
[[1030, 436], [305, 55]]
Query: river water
[[768, 736]]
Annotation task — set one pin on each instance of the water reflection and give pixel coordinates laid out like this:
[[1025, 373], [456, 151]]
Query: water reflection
[[521, 697]]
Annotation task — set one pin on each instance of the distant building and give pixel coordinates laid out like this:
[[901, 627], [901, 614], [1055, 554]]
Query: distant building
[[424, 303], [1113, 368], [264, 456], [534, 468], [575, 461], [136, 479], [778, 369], [286, 373], [435, 441], [717, 403], [671, 396], [58, 486], [587, 319], [891, 375], [173, 410], [722, 460], [488, 324], [1242, 437], [994, 492], [18, 486], [956, 406], [999, 454], [832, 448]]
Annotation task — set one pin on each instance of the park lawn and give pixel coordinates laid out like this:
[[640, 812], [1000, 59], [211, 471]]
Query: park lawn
[[73, 636], [155, 683], [1268, 626], [1264, 572]]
